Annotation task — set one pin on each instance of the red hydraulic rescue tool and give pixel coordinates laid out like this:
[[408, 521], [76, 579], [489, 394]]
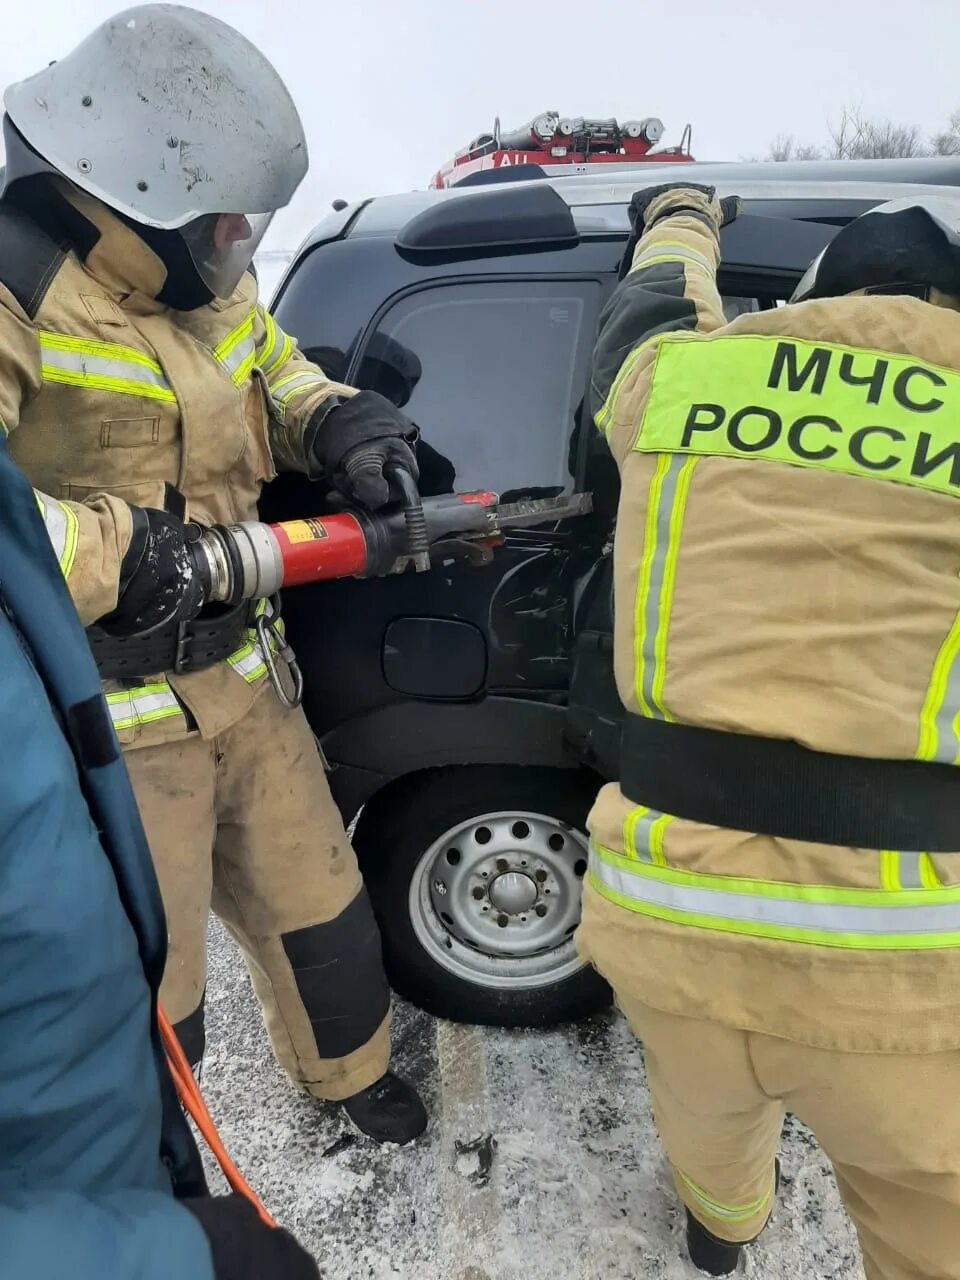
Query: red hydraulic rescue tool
[[254, 560]]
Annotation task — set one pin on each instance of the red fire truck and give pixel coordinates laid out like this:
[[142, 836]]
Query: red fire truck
[[561, 144]]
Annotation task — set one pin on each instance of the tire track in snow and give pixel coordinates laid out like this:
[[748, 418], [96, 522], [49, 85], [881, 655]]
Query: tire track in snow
[[472, 1210]]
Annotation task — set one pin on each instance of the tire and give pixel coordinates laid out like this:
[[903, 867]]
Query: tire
[[435, 844]]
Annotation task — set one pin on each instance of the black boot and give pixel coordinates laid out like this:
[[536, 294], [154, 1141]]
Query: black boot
[[387, 1111], [711, 1255]]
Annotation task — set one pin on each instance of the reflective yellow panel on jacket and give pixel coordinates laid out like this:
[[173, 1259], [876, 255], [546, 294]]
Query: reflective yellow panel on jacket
[[867, 413]]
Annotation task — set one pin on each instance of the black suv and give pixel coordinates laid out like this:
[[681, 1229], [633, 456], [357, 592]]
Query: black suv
[[469, 714]]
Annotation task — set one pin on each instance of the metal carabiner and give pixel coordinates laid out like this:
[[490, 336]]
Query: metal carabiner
[[267, 627]]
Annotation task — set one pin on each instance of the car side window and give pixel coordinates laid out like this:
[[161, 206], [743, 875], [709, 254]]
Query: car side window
[[494, 374]]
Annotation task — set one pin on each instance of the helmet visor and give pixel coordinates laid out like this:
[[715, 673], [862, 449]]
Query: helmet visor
[[222, 246]]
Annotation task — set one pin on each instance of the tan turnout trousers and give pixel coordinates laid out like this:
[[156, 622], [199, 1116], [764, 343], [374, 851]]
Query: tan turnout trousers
[[245, 822], [719, 1099]]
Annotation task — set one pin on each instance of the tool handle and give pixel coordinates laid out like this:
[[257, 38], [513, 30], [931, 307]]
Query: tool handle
[[418, 541]]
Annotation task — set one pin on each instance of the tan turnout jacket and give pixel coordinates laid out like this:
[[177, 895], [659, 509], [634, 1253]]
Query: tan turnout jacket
[[787, 564], [107, 396]]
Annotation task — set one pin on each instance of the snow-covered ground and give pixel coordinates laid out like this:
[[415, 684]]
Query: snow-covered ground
[[576, 1188]]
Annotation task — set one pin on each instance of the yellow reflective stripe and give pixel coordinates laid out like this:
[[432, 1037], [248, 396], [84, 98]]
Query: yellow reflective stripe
[[671, 553], [890, 870], [233, 339], [267, 347], [287, 388], [63, 529], [604, 415], [236, 352], [874, 414], [643, 832], [284, 389], [908, 870], [102, 366], [724, 1212], [644, 579], [117, 386], [91, 347], [851, 919], [928, 873], [248, 660], [145, 704], [286, 351], [916, 871], [656, 838], [276, 348], [939, 730], [666, 503]]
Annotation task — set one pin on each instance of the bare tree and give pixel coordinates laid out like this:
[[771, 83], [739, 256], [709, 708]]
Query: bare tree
[[856, 137], [785, 147], [948, 142]]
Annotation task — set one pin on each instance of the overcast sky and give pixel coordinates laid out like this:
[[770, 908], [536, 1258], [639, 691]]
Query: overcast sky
[[389, 90]]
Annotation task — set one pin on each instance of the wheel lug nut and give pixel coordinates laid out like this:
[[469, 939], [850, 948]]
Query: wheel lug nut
[[502, 921], [503, 864], [541, 875], [478, 893], [541, 910]]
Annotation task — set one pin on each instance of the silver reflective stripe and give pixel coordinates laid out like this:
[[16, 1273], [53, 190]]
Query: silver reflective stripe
[[658, 554], [771, 912], [725, 1212], [939, 738], [276, 346], [948, 746], [249, 662], [284, 389], [143, 705], [909, 870], [237, 350], [62, 529], [102, 366], [640, 834]]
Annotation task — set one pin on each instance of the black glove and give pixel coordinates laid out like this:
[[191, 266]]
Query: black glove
[[352, 440], [642, 200], [243, 1247], [161, 580], [697, 205]]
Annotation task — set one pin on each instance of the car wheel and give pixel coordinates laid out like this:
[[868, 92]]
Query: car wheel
[[475, 874]]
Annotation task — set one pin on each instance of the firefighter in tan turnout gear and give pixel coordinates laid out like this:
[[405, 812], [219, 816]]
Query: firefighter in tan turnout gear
[[787, 570], [145, 390]]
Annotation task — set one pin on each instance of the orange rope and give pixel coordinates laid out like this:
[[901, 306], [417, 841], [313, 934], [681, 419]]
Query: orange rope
[[195, 1107]]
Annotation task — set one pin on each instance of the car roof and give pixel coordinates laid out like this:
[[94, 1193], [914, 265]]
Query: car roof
[[827, 189]]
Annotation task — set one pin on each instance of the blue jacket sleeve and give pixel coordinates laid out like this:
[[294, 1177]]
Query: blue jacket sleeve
[[123, 1235], [83, 1190]]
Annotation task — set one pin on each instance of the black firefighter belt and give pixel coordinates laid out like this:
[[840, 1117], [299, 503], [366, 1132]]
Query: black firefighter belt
[[180, 647], [777, 788]]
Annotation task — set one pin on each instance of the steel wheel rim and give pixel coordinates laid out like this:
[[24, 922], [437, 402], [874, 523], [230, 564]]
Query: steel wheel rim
[[495, 900]]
